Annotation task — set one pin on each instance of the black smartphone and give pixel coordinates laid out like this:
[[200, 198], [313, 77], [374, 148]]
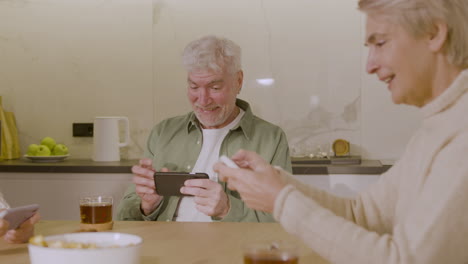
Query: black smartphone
[[169, 183], [16, 216]]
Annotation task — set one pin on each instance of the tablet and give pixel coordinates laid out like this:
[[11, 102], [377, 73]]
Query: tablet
[[169, 183], [16, 216]]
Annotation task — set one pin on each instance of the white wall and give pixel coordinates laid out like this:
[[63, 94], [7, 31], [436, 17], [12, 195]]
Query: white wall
[[65, 61]]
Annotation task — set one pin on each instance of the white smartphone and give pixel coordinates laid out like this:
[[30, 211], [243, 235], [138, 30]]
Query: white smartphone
[[16, 216], [229, 162]]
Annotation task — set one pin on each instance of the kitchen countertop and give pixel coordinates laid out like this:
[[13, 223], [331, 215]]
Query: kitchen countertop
[[365, 167], [67, 166], [124, 166]]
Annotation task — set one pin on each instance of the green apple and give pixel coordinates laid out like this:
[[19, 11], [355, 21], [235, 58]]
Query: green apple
[[60, 149], [32, 149], [49, 142], [43, 150]]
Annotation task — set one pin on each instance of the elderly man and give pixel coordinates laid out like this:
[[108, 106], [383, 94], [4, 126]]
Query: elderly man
[[417, 212], [220, 124]]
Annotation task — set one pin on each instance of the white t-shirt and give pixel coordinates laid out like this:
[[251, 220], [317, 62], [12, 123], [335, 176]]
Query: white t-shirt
[[209, 155]]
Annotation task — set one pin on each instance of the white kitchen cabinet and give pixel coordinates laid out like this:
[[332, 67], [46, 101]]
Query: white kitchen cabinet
[[58, 193], [345, 185]]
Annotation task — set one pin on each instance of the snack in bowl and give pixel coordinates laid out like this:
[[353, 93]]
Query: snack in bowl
[[89, 248], [40, 241]]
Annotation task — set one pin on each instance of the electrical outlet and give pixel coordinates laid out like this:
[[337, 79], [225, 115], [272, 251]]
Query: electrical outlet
[[83, 129]]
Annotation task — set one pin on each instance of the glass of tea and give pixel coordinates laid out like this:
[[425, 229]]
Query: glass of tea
[[271, 253], [96, 212]]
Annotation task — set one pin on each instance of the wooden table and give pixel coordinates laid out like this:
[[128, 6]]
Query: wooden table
[[176, 242]]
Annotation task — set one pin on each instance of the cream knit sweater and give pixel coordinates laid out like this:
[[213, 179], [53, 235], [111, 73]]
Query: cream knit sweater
[[416, 213]]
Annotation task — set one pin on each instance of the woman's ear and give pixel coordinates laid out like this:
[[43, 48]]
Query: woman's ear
[[438, 37]]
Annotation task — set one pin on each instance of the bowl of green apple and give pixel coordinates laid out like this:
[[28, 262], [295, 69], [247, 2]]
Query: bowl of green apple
[[47, 151]]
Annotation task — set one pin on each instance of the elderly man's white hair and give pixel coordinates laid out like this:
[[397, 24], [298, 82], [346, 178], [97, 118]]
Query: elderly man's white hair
[[212, 53]]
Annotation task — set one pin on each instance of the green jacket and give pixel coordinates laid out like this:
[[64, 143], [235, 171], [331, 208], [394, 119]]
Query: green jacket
[[175, 143]]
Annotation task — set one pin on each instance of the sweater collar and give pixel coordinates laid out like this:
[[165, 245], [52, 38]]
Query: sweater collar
[[458, 87]]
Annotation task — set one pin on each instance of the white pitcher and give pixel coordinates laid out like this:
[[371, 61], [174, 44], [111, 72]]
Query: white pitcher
[[106, 137]]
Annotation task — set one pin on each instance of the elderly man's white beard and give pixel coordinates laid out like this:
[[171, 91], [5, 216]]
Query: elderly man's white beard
[[212, 121]]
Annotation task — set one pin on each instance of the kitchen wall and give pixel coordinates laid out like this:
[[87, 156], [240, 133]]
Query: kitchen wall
[[66, 61]]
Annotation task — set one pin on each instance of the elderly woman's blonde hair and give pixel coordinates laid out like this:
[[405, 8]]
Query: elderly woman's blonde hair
[[212, 53], [419, 17]]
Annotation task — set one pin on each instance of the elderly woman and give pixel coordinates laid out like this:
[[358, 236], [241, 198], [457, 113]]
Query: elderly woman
[[418, 211], [22, 233]]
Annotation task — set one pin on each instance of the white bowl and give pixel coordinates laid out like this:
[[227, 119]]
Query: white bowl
[[126, 249]]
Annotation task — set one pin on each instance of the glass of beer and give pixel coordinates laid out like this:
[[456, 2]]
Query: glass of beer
[[271, 253], [96, 212]]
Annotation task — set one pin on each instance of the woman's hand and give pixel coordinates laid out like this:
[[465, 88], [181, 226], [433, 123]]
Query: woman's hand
[[3, 225], [23, 232], [257, 181]]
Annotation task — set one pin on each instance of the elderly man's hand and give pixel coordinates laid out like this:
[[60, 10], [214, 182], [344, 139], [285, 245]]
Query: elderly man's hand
[[209, 196], [145, 187], [23, 232], [257, 181]]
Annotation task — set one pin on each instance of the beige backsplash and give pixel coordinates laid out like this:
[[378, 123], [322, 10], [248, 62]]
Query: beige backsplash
[[68, 61]]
